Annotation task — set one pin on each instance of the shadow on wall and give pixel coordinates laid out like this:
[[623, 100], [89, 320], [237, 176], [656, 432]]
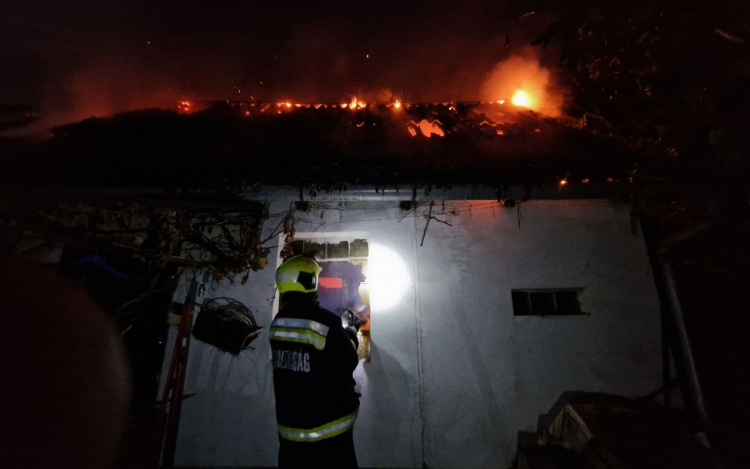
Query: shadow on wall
[[394, 426], [216, 371]]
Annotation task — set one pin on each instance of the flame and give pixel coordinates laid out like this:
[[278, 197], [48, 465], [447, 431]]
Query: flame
[[522, 99], [397, 104], [356, 104], [523, 81], [427, 128]]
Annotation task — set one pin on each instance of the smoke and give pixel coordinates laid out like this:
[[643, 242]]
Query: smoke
[[127, 58], [523, 71]]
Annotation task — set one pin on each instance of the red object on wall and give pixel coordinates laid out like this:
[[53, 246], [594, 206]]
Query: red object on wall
[[330, 282]]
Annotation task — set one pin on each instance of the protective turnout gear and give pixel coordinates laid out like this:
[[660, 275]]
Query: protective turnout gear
[[316, 405], [298, 274]]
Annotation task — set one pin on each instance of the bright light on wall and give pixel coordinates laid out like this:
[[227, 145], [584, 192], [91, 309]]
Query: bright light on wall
[[387, 276]]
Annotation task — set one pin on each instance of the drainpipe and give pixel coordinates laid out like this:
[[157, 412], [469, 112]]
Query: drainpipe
[[681, 348]]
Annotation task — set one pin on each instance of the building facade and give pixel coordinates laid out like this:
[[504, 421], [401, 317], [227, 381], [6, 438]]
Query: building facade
[[472, 332]]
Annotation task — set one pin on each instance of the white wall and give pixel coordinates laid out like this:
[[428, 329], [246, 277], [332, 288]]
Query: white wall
[[484, 373]]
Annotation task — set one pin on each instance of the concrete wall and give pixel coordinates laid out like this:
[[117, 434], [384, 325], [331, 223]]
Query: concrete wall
[[454, 375]]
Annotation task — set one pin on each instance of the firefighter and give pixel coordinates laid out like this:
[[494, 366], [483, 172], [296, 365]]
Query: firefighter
[[314, 355]]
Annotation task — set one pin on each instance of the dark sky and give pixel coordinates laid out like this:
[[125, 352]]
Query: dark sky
[[78, 58]]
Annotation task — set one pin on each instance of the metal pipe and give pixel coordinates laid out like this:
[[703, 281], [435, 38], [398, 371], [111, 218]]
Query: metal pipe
[[684, 352]]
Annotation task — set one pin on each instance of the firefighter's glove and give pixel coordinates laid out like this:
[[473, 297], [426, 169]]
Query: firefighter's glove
[[352, 333], [350, 320]]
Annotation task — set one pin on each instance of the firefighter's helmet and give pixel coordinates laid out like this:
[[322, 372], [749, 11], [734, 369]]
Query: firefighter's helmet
[[298, 273]]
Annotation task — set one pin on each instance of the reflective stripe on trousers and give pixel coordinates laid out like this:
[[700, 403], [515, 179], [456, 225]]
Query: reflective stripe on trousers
[[337, 427]]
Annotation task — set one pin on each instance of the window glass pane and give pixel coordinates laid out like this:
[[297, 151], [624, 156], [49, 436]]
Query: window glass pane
[[359, 248], [317, 250], [542, 303], [567, 302], [521, 303], [297, 247], [338, 250]]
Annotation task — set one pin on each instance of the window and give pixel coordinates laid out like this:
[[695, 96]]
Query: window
[[343, 282], [547, 302]]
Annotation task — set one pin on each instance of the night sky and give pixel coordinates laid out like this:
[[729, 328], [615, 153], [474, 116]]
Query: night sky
[[73, 59]]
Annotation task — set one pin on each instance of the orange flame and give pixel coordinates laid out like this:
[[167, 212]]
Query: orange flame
[[356, 104], [522, 99], [427, 128], [524, 82]]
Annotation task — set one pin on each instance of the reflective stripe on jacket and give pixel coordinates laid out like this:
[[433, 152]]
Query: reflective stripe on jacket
[[303, 331]]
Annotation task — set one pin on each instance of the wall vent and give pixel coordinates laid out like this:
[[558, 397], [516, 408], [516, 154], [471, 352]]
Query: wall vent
[[547, 302]]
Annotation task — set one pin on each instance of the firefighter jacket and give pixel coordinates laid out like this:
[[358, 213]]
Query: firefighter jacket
[[313, 361]]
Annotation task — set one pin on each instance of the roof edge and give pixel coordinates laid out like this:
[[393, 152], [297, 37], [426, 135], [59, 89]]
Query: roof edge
[[353, 193]]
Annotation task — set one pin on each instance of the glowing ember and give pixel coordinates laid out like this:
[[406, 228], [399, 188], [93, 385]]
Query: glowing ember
[[502, 101], [397, 104], [522, 98], [563, 182], [356, 104], [427, 128]]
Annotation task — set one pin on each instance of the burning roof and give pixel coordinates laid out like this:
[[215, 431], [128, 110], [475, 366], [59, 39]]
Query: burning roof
[[348, 143]]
